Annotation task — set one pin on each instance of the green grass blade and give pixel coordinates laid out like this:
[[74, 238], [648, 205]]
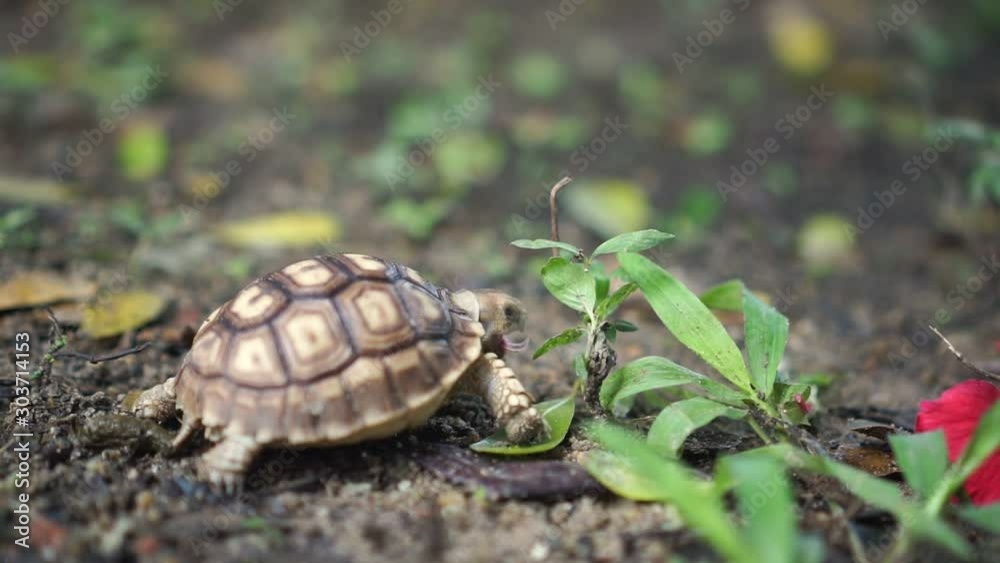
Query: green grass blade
[[923, 458], [766, 336], [687, 318]]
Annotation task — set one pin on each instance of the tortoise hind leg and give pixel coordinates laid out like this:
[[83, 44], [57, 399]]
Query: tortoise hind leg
[[226, 464]]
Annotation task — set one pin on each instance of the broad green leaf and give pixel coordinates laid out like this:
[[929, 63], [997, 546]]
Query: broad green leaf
[[687, 318], [766, 335], [613, 301], [699, 502], [633, 242], [676, 422], [570, 283], [619, 477], [723, 393], [540, 243], [121, 313], [645, 374], [727, 296], [557, 412], [568, 336], [765, 500], [280, 230], [986, 517], [983, 444], [923, 458]]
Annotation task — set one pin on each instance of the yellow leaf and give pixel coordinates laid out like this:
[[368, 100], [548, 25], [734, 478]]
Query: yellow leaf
[[33, 190], [281, 230], [610, 206], [121, 313], [801, 42], [35, 289]]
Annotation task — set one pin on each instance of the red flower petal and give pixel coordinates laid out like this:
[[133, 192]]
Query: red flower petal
[[957, 412]]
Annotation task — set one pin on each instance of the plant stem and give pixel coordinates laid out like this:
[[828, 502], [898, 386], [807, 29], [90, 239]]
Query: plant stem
[[759, 430]]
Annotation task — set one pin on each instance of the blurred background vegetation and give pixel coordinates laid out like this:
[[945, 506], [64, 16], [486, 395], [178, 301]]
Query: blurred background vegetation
[[444, 123]]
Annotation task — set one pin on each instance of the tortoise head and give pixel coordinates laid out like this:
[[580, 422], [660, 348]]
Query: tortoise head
[[502, 317]]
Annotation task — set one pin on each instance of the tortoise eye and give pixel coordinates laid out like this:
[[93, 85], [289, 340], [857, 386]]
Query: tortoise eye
[[509, 312]]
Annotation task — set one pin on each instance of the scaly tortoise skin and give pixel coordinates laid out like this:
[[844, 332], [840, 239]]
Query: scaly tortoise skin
[[338, 350]]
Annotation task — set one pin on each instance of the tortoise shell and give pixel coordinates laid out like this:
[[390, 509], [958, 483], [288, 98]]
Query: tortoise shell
[[330, 350]]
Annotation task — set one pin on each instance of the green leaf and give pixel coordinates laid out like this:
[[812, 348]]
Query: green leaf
[[557, 412], [676, 422], [642, 375], [727, 296], [619, 477], [624, 326], [540, 244], [602, 284], [983, 444], [766, 336], [699, 502], [633, 242], [923, 458], [570, 283], [611, 304], [143, 151], [568, 336], [874, 491], [687, 318], [765, 500], [986, 517]]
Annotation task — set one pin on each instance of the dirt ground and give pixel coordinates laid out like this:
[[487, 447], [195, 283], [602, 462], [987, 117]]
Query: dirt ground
[[100, 491]]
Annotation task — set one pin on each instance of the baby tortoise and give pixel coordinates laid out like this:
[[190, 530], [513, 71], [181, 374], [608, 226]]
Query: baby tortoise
[[337, 350]]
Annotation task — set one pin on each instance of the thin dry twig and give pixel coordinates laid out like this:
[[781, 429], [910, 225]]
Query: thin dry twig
[[106, 357], [975, 369], [554, 209]]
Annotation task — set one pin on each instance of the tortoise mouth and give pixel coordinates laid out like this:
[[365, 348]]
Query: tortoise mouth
[[514, 344]]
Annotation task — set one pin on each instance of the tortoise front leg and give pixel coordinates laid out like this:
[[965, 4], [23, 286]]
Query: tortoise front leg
[[226, 464], [491, 379]]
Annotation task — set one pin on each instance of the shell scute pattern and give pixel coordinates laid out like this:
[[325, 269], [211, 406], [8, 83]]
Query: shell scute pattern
[[333, 349]]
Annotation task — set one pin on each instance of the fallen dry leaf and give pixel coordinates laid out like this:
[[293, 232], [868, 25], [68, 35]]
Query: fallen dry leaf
[[280, 230], [34, 190], [121, 313], [36, 289]]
